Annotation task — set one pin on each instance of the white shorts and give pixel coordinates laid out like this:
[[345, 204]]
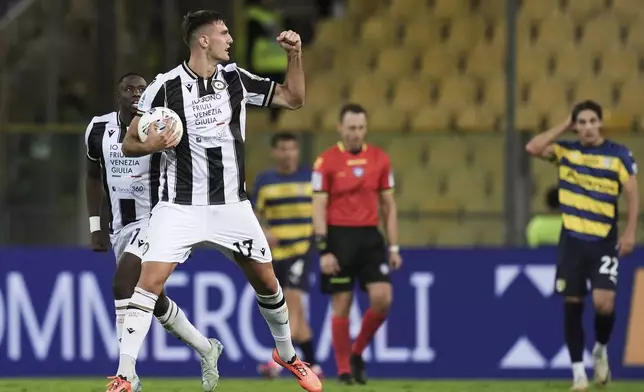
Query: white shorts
[[130, 239], [174, 229]]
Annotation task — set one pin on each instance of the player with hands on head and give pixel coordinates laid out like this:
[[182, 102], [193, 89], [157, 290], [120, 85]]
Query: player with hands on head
[[593, 172]]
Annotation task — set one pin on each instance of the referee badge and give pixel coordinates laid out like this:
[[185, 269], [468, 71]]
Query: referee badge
[[358, 171], [219, 85]]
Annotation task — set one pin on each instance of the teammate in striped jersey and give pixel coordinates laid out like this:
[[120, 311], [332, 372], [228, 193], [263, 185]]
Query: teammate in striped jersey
[[132, 189], [593, 172], [203, 196]]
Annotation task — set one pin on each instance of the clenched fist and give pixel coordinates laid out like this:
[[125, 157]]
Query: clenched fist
[[290, 41]]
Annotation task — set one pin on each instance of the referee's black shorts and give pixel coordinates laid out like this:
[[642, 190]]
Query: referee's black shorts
[[362, 255]]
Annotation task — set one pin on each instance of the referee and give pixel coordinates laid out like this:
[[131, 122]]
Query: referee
[[351, 182]]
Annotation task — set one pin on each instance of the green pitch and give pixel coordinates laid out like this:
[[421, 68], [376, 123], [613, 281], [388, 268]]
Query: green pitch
[[290, 385]]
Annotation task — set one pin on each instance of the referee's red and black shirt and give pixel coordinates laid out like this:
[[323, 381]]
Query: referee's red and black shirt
[[354, 183]]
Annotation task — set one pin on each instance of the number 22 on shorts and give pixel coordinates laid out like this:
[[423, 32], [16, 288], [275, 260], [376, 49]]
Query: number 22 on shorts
[[609, 267]]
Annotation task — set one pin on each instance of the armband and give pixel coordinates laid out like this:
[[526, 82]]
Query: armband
[[320, 243], [94, 223]]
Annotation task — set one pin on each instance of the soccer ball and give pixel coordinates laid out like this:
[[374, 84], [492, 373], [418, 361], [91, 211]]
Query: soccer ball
[[158, 114]]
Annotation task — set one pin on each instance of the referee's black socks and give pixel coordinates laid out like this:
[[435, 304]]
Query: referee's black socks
[[573, 312]]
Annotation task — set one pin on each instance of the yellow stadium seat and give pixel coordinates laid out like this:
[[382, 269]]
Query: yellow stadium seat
[[403, 10], [439, 204], [484, 62], [528, 118], [411, 94], [627, 8], [493, 9], [304, 119], [550, 93], [619, 64], [631, 97], [532, 63], [431, 119], [488, 153], [369, 92], [421, 34], [489, 232], [635, 35], [361, 9], [411, 179], [456, 92], [574, 63], [450, 8], [316, 59], [554, 31], [476, 119], [329, 119], [447, 153], [396, 63], [349, 60], [258, 120], [600, 90], [464, 184], [324, 89], [465, 33], [539, 9], [601, 33], [330, 32], [414, 233], [582, 10], [439, 62], [379, 32], [614, 121], [456, 236], [386, 119]]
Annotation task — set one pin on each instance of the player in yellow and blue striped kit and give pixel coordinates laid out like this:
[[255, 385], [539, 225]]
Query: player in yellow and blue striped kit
[[593, 173], [282, 199]]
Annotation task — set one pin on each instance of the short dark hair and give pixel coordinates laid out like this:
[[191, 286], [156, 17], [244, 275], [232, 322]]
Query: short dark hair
[[587, 105], [552, 198], [127, 75], [194, 20], [283, 137], [351, 108]]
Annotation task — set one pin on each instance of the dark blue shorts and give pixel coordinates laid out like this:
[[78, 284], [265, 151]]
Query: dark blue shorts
[[580, 262], [295, 272]]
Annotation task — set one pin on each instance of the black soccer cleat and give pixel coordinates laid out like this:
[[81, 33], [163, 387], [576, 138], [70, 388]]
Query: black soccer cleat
[[358, 370], [345, 378]]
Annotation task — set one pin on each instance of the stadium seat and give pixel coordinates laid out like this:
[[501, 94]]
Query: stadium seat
[[631, 97], [539, 9], [350, 60], [635, 35], [439, 62], [620, 64], [387, 119], [412, 94], [600, 90], [406, 153], [304, 119], [431, 119], [447, 153], [395, 63], [380, 32], [404, 10], [361, 9], [439, 204], [331, 31], [476, 119], [532, 63], [465, 184], [573, 63], [555, 30], [324, 88], [491, 9], [627, 9], [464, 33], [456, 236], [616, 121], [528, 118], [370, 92], [583, 10], [258, 120], [450, 8], [602, 33], [421, 34], [414, 233], [457, 92], [316, 59], [550, 93], [485, 61], [488, 153], [329, 119]]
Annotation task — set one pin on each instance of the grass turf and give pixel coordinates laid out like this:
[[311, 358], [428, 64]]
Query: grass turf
[[290, 385]]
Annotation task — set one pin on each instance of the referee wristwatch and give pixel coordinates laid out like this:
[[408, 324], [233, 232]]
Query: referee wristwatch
[[320, 243], [394, 249]]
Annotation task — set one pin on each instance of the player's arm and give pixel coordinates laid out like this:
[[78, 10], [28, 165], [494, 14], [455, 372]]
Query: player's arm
[[290, 95], [390, 217], [628, 178], [132, 145], [320, 181], [93, 184], [542, 145], [632, 204]]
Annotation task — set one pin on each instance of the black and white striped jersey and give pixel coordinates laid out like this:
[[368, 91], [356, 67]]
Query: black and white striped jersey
[[131, 184], [207, 166]]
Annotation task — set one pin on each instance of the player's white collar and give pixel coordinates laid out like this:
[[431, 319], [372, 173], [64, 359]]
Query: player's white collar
[[193, 75]]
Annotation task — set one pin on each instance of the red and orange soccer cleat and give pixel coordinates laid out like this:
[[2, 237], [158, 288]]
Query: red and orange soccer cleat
[[305, 376], [118, 384]]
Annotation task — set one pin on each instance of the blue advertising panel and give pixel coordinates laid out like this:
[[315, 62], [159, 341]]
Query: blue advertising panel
[[479, 313]]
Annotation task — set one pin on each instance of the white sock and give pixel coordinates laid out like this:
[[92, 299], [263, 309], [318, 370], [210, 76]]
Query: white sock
[[600, 349], [120, 305], [273, 308], [136, 326], [177, 324], [578, 370]]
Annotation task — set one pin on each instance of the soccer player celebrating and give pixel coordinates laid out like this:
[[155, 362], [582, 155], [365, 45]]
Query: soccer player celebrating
[[593, 171], [203, 196], [282, 198], [351, 182], [131, 186]]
